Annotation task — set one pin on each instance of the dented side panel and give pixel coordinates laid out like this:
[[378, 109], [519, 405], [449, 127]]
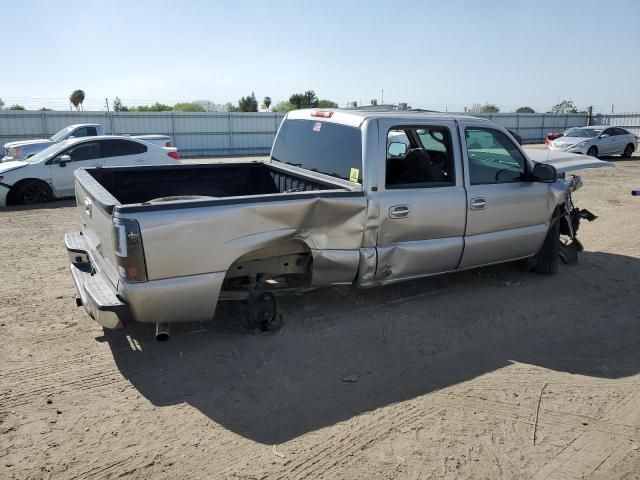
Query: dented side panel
[[193, 241]]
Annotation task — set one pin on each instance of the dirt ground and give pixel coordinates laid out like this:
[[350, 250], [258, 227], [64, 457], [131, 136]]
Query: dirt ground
[[488, 374]]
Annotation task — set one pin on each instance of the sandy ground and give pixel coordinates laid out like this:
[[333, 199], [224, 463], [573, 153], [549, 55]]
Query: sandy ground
[[488, 374]]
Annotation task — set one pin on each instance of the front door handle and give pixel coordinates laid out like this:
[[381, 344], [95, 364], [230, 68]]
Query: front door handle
[[478, 204], [399, 211]]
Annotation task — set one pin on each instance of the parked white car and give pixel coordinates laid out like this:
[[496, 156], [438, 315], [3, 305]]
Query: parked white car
[[23, 149], [597, 141], [49, 174]]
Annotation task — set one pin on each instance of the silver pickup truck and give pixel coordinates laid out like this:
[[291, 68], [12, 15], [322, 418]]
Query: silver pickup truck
[[346, 197]]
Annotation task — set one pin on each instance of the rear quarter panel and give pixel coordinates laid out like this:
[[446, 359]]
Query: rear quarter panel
[[199, 240]]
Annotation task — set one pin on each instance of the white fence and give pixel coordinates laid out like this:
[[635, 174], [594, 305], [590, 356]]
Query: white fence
[[219, 134], [195, 134]]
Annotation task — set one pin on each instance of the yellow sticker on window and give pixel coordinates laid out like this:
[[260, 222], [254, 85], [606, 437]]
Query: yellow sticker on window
[[354, 175]]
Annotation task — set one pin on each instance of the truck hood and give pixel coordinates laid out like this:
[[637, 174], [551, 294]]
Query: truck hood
[[34, 141], [8, 166], [565, 161]]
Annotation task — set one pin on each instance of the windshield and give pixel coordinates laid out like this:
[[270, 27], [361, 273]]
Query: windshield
[[43, 154], [61, 134], [583, 132], [322, 147]]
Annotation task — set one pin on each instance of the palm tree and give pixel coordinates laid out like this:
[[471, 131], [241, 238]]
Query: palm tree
[[267, 102], [77, 98]]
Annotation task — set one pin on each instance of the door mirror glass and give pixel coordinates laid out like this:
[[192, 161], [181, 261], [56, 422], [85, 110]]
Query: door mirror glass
[[397, 149], [605, 135], [545, 173]]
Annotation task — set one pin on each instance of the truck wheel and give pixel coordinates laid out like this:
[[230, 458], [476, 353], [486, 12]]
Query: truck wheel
[[546, 260], [32, 191], [628, 151], [262, 314]]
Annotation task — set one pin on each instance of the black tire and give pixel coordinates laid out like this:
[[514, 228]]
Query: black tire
[[31, 192], [546, 260], [593, 151], [628, 151]]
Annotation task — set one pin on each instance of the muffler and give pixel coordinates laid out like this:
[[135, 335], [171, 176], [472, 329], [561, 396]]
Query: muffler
[[162, 332]]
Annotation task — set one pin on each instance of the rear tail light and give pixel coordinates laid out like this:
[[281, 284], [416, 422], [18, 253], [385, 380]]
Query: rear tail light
[[168, 144], [322, 114], [174, 154], [127, 245]]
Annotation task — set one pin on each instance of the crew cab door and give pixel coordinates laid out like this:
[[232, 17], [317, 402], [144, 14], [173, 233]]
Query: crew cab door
[[421, 198], [507, 214], [83, 155]]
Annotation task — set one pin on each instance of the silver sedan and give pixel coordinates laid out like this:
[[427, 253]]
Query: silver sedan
[[597, 141]]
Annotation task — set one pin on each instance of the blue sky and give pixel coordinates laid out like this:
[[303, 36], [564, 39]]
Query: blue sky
[[427, 53]]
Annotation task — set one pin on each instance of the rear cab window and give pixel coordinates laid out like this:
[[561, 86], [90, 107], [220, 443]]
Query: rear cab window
[[323, 147]]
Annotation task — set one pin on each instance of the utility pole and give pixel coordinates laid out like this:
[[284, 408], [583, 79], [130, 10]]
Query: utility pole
[[382, 97], [612, 108], [106, 101]]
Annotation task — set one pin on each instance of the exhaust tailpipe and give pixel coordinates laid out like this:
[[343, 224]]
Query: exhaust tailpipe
[[162, 332]]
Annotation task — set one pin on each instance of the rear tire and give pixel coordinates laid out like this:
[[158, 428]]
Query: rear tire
[[593, 151], [32, 192], [546, 260], [628, 151]]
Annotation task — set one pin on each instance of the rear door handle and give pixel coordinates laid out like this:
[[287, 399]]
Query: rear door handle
[[399, 211], [478, 204]]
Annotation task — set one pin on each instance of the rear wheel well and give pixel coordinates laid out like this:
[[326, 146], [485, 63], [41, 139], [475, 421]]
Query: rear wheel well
[[12, 196], [289, 261]]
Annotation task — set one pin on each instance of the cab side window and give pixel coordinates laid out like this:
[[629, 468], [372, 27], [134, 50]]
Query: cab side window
[[493, 157], [85, 132], [419, 157]]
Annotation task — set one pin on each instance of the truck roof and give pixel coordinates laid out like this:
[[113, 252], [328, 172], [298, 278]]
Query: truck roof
[[356, 117]]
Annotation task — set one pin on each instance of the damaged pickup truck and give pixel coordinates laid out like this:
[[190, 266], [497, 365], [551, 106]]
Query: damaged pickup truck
[[346, 197]]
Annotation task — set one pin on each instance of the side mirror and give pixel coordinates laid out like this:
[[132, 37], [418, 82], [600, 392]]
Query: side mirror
[[605, 135], [71, 136], [545, 173], [397, 149], [63, 160]]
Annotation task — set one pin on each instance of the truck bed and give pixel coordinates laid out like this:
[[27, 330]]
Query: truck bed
[[134, 185]]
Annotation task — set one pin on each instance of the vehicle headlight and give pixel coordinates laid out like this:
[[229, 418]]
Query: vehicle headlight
[[14, 151]]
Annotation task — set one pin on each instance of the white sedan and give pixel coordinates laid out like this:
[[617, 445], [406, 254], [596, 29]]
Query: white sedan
[[597, 141], [49, 173]]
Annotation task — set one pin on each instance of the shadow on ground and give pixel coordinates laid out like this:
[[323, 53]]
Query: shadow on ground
[[396, 342], [66, 202]]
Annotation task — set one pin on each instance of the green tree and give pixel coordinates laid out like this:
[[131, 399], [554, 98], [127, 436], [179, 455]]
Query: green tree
[[188, 107], [403, 106], [374, 102], [16, 107], [307, 99], [327, 104], [248, 104], [354, 104], [230, 107], [118, 106], [284, 107], [486, 108], [565, 106], [156, 107], [267, 102], [45, 109], [77, 99], [1, 104], [525, 110]]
